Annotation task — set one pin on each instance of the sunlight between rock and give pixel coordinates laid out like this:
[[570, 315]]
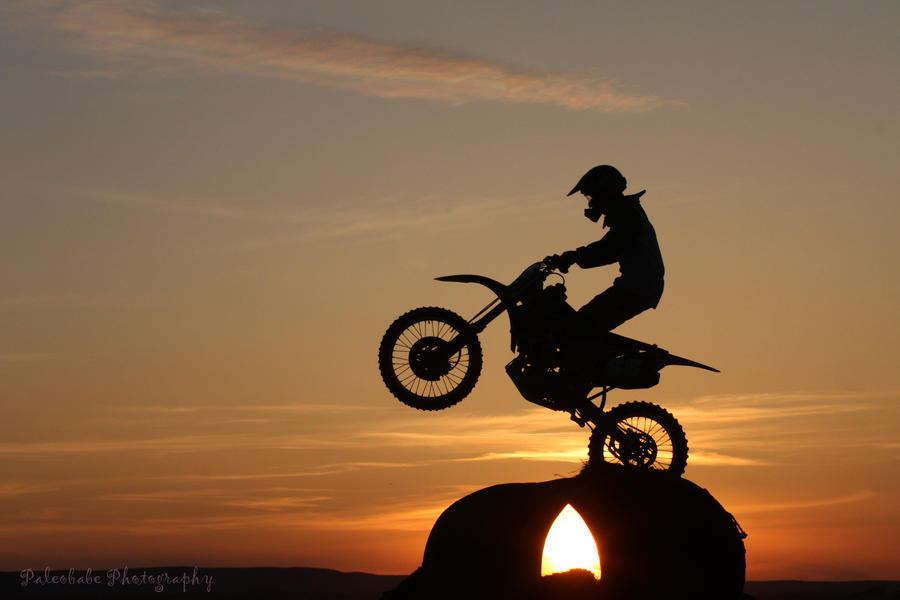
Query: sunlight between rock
[[570, 545]]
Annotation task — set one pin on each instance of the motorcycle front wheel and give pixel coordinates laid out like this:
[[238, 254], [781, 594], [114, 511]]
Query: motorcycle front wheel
[[417, 364], [640, 435]]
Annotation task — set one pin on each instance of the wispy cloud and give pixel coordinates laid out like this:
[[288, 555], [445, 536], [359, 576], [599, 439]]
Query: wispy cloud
[[276, 514], [9, 489], [532, 435], [178, 206], [214, 39], [22, 357], [801, 397], [378, 218], [278, 503], [299, 407], [573, 454], [762, 429], [169, 444], [256, 500], [319, 471], [415, 515], [536, 427], [715, 459], [859, 496], [743, 408]]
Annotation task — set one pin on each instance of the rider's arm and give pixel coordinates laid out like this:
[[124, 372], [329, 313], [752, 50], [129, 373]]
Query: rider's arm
[[608, 249]]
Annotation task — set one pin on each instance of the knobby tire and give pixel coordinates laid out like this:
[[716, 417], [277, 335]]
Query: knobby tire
[[411, 337], [653, 421]]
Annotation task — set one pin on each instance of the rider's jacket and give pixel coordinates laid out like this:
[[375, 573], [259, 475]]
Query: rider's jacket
[[631, 242]]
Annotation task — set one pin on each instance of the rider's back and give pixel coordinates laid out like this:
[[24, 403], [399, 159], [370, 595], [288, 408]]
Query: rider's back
[[631, 242], [641, 263]]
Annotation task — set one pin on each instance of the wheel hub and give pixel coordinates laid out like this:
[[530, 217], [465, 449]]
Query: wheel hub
[[428, 358], [634, 447]]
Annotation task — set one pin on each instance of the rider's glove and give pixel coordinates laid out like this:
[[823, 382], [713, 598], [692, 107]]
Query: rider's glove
[[562, 261]]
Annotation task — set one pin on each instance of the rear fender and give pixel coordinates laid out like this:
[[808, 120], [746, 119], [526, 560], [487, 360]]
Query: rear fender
[[664, 357]]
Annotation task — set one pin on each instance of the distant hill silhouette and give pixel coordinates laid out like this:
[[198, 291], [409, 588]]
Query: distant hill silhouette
[[824, 590]]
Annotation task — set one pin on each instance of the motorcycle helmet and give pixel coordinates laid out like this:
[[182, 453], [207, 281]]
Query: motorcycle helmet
[[602, 178]]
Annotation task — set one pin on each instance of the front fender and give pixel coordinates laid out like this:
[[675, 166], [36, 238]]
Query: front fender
[[508, 295], [506, 302], [492, 284]]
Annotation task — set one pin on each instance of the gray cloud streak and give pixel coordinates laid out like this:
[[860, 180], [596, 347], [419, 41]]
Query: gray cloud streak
[[217, 40]]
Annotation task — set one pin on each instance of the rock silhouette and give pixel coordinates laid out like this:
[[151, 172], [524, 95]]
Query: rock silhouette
[[658, 535]]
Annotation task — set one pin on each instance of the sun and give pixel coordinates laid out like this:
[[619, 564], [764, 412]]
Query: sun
[[570, 545]]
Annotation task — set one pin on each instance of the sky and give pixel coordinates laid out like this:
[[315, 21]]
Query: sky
[[211, 211]]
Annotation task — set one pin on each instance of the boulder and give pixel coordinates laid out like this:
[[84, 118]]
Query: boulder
[[658, 536]]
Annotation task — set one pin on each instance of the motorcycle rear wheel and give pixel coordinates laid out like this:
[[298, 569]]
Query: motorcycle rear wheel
[[640, 435], [414, 362]]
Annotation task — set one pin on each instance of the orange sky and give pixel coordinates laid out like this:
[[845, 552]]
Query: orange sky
[[210, 215]]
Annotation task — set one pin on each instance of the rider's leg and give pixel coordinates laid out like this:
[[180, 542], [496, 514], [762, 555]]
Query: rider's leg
[[610, 309], [595, 319]]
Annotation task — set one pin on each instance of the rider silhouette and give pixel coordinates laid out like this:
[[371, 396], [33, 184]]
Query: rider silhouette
[[630, 241]]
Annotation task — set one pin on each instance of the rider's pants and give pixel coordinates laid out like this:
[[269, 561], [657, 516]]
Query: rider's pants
[[592, 322], [610, 309]]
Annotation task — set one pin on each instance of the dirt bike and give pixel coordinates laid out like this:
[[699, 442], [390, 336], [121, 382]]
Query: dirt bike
[[430, 359]]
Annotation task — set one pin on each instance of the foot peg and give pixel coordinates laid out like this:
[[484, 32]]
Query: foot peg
[[580, 420]]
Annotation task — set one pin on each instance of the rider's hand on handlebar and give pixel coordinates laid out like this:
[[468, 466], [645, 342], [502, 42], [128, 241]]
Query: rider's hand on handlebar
[[562, 262]]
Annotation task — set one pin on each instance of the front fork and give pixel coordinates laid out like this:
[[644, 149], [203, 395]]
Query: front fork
[[477, 324]]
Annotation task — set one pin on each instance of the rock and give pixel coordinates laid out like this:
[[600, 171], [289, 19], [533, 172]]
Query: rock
[[659, 536]]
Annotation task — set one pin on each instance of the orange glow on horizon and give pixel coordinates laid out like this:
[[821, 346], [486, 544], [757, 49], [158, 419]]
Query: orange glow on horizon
[[570, 545]]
